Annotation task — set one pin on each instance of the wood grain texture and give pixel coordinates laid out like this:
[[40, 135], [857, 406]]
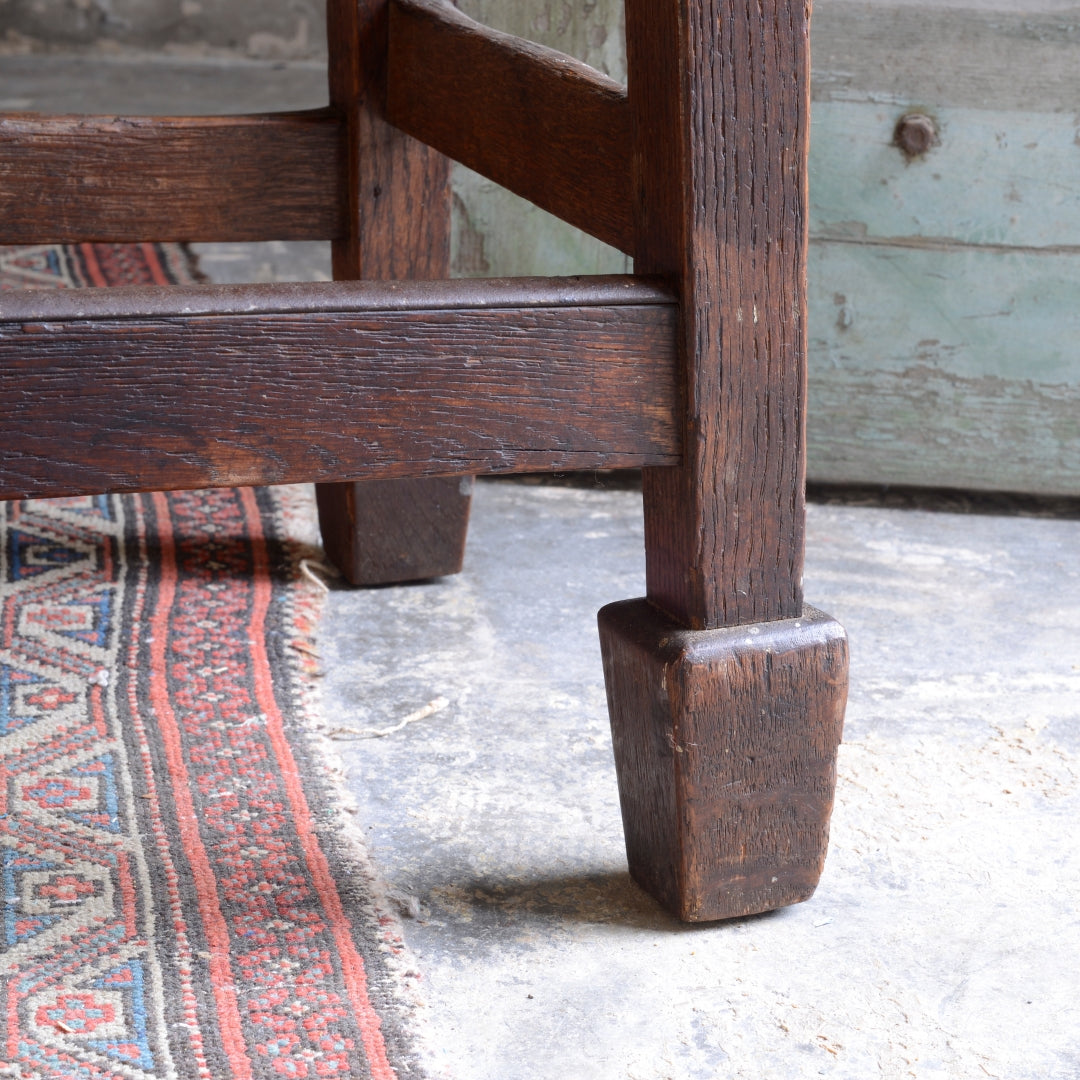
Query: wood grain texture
[[404, 530], [725, 744], [398, 199], [921, 425], [382, 387], [538, 122], [68, 179], [295, 298], [995, 181], [993, 56], [955, 367], [943, 317], [398, 210], [719, 95]]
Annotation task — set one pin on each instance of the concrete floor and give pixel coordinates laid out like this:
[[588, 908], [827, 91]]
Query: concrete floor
[[944, 940]]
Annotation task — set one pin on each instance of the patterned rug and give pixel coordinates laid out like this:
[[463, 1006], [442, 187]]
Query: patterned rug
[[68, 266], [177, 902]]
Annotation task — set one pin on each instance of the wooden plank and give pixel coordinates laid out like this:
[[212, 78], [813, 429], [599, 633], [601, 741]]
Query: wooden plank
[[943, 320], [723, 208], [546, 126], [147, 389], [92, 178], [996, 180], [998, 56], [398, 197], [951, 367]]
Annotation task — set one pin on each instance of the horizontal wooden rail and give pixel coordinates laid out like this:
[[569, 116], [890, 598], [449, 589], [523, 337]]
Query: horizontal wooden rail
[[146, 389], [81, 178], [548, 127]]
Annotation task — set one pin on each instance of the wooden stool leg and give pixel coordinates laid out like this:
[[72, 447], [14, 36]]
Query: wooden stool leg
[[399, 192], [383, 531], [378, 532], [726, 695], [725, 744]]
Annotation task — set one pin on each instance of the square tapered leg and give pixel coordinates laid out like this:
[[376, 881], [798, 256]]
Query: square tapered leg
[[384, 531], [725, 745]]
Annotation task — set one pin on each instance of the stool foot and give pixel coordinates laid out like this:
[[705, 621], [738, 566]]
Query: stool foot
[[725, 745], [378, 532]]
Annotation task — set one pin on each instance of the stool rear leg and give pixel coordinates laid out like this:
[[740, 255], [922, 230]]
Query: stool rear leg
[[382, 531], [726, 694], [399, 227]]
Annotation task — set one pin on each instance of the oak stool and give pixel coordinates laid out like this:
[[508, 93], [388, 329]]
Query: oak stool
[[391, 384]]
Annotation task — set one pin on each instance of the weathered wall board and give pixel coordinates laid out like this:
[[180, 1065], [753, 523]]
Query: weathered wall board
[[944, 324], [955, 368]]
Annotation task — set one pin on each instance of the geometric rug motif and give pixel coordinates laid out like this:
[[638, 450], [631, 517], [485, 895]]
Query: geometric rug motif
[[177, 902], [72, 266], [168, 906]]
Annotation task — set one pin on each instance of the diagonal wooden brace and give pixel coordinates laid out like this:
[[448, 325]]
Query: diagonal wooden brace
[[546, 126]]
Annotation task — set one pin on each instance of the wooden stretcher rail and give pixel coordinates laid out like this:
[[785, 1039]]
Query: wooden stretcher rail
[[67, 179], [542, 124], [153, 389]]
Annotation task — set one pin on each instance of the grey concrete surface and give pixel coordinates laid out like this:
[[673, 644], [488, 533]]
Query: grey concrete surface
[[944, 939]]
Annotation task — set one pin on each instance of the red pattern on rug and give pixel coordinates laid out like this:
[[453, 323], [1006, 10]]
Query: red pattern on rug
[[73, 266], [172, 907]]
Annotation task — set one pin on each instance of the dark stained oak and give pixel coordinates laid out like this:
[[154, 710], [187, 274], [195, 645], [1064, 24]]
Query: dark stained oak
[[67, 179], [726, 695], [719, 91], [283, 298], [233, 385], [404, 530], [540, 123], [398, 195], [398, 226], [725, 744]]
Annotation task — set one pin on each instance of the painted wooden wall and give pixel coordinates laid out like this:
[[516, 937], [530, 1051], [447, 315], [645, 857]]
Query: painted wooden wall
[[944, 287]]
